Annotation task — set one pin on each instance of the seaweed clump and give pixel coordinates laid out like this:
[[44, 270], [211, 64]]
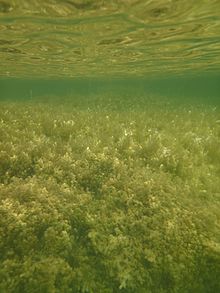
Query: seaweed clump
[[98, 200]]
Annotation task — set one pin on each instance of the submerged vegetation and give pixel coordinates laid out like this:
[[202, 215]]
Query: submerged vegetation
[[109, 198]]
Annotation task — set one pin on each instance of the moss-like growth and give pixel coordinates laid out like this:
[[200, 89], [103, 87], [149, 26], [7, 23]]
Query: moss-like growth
[[101, 200]]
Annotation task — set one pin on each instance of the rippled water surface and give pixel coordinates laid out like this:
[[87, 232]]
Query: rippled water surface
[[73, 38]]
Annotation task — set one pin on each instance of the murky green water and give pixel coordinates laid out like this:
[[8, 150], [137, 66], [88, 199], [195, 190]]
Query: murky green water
[[109, 146]]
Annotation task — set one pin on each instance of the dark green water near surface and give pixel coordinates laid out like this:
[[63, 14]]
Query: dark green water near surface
[[203, 88]]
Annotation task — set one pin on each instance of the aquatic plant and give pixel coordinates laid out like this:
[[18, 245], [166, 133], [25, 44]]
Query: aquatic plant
[[101, 200]]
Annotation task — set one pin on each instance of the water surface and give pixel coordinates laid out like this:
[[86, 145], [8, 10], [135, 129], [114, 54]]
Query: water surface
[[116, 38]]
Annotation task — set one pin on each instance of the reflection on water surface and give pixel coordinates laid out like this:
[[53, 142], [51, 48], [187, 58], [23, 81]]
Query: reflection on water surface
[[118, 38]]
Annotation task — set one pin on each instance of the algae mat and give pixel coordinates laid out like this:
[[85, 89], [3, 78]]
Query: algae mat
[[106, 198]]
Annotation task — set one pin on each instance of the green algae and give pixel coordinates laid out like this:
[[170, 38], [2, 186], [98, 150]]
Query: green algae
[[109, 198]]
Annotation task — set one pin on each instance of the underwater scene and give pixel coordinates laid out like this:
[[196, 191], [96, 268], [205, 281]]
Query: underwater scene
[[109, 146]]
